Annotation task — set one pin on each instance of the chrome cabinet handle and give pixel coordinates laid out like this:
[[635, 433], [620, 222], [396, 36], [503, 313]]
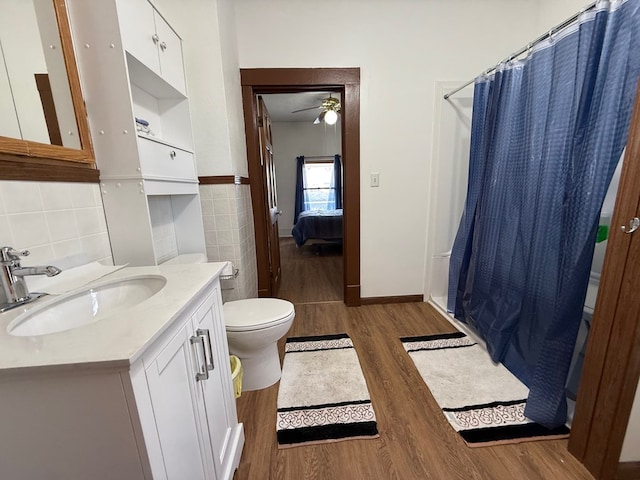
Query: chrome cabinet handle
[[634, 223], [204, 375], [204, 332], [172, 154], [155, 38], [163, 46]]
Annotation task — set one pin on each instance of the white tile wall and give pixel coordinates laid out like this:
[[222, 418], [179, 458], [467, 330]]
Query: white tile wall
[[53, 220], [229, 235]]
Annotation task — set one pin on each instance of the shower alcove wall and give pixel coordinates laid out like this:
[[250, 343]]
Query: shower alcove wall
[[451, 143]]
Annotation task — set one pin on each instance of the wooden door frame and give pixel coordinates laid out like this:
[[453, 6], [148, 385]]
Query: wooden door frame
[[257, 81], [612, 360]]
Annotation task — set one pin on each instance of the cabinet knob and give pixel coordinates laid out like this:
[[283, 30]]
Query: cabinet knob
[[172, 154], [155, 38], [163, 46]]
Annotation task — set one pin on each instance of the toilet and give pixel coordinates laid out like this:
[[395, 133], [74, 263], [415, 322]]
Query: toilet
[[254, 326]]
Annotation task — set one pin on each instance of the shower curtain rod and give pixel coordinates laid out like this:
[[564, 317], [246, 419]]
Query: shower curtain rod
[[555, 29]]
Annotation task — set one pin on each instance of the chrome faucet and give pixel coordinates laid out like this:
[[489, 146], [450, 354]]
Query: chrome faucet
[[14, 291]]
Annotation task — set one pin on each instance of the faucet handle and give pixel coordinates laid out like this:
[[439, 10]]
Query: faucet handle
[[10, 254]]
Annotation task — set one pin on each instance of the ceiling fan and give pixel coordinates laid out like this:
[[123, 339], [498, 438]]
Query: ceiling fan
[[330, 108]]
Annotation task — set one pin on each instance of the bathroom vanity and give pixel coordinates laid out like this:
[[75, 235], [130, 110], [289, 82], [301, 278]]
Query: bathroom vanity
[[143, 392]]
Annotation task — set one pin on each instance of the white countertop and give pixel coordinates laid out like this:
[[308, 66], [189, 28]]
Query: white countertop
[[115, 341]]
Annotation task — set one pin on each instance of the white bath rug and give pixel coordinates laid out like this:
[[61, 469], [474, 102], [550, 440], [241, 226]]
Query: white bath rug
[[483, 401], [323, 396]]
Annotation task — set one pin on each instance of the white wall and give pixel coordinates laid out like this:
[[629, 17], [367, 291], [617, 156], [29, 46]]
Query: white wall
[[553, 12], [402, 48], [232, 89], [290, 140]]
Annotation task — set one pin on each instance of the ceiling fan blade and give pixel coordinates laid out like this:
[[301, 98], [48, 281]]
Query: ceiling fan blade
[[320, 118], [304, 109]]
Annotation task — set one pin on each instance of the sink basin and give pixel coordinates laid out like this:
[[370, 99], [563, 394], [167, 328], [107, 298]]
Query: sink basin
[[87, 305]]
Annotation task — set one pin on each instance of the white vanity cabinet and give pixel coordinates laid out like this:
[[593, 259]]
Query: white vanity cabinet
[[185, 384], [168, 414], [131, 66]]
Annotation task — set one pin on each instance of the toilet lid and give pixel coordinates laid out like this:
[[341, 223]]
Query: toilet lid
[[256, 313]]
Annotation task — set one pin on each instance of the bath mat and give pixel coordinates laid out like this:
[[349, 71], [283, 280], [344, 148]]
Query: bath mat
[[482, 401], [323, 395]]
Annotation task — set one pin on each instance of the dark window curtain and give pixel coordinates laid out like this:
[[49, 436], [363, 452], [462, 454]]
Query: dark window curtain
[[555, 125], [337, 180], [299, 200]]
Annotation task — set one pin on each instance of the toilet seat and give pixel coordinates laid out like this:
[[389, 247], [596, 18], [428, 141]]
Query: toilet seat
[[256, 313]]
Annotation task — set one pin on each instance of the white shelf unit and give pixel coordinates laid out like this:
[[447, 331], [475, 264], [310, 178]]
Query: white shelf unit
[[130, 63]]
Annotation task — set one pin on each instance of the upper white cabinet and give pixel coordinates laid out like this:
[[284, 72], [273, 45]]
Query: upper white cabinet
[[150, 39], [131, 67]]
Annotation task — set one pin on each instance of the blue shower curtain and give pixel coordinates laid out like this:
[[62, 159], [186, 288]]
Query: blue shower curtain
[[547, 133]]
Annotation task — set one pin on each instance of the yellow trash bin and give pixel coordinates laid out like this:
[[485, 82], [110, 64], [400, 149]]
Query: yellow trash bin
[[236, 375]]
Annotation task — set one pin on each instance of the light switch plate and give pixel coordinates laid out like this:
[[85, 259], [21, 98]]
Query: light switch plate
[[375, 179]]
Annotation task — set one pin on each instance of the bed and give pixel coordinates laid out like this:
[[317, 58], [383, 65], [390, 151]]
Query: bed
[[318, 225]]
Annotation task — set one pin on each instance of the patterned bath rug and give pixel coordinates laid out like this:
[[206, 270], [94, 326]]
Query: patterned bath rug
[[482, 401], [323, 395]]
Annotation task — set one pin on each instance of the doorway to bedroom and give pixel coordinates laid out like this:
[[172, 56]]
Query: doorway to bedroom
[[307, 154], [324, 267]]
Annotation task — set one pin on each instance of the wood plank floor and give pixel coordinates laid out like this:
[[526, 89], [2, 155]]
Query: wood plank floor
[[416, 442], [310, 273]]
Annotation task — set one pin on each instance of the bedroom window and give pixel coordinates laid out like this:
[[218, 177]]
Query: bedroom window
[[319, 186]]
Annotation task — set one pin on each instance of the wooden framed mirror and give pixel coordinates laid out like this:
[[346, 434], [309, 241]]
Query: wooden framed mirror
[[46, 135]]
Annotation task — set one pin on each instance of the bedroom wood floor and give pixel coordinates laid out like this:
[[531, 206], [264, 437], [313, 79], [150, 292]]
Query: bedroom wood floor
[[415, 442], [310, 273]]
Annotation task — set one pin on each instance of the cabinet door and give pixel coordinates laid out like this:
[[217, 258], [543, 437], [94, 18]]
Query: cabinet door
[[139, 37], [217, 390], [178, 408], [170, 50]]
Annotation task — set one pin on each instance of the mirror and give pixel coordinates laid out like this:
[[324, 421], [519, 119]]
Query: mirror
[[34, 78], [42, 114]]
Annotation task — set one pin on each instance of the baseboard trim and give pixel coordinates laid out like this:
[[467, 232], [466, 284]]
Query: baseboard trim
[[397, 299], [628, 471], [352, 296], [222, 180]]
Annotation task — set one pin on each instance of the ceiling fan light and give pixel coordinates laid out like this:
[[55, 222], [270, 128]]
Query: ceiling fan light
[[330, 117]]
